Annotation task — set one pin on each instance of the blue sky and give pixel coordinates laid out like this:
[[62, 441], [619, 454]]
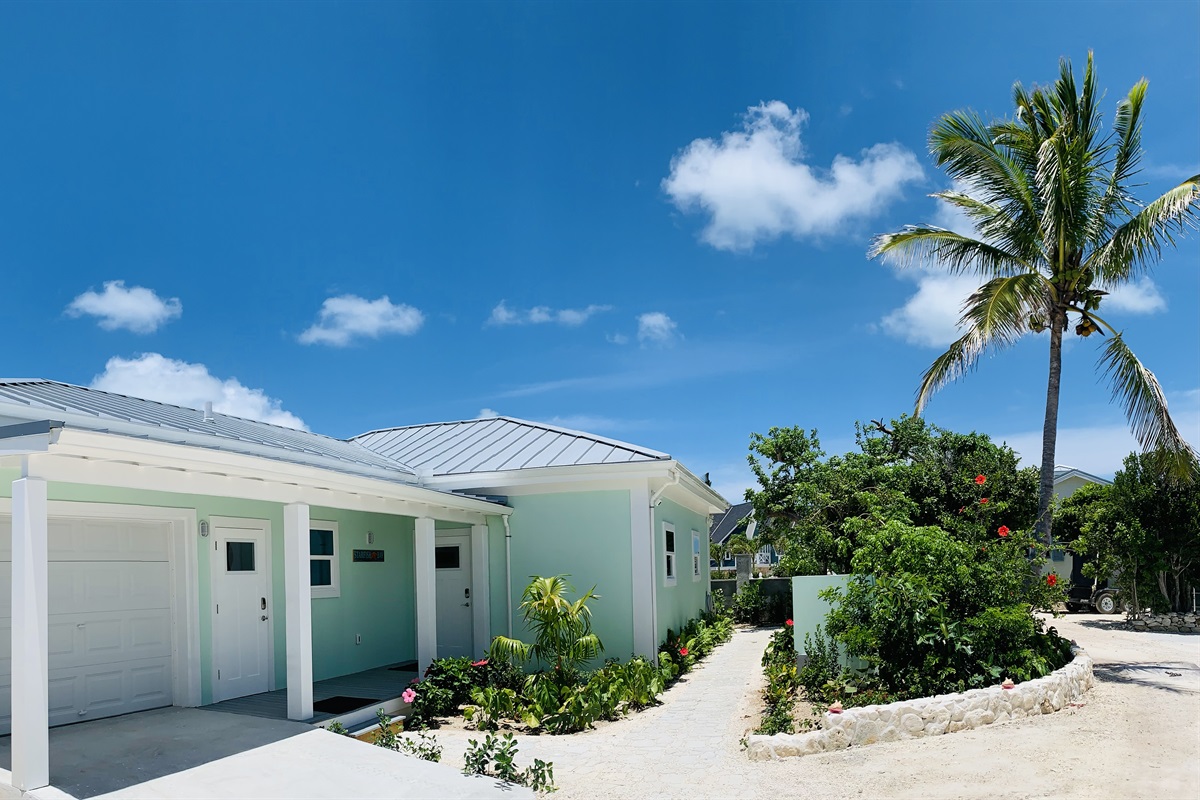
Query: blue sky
[[645, 220]]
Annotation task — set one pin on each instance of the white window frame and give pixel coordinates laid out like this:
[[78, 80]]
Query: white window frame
[[334, 589], [670, 566], [696, 557]]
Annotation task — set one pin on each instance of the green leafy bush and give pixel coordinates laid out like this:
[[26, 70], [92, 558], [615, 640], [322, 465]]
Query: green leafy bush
[[497, 758], [779, 696]]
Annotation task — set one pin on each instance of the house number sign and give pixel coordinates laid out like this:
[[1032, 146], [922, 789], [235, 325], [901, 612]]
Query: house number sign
[[368, 555]]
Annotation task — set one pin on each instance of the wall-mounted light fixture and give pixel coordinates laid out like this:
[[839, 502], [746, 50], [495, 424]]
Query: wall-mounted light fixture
[[204, 527], [370, 537]]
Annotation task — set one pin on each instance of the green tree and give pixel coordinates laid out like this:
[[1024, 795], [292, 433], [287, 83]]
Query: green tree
[[1056, 227], [817, 510], [562, 629]]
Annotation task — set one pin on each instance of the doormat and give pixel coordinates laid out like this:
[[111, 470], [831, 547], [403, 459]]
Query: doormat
[[407, 666], [341, 704]]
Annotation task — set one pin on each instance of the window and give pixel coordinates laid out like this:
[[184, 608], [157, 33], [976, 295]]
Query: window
[[695, 555], [669, 548], [239, 556], [447, 556], [323, 559]]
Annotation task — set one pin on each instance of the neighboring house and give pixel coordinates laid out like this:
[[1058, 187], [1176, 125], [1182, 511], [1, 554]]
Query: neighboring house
[[739, 519], [157, 555], [1068, 479]]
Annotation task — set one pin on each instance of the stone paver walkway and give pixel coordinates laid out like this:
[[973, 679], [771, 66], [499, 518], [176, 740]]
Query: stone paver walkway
[[686, 747]]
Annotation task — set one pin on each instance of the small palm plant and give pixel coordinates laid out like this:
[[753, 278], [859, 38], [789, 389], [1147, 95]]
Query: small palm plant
[[562, 629]]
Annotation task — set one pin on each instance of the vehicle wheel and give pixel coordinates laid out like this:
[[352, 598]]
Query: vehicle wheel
[[1106, 603]]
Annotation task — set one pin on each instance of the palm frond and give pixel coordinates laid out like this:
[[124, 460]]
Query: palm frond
[[1127, 128], [1146, 408], [995, 317], [1136, 245], [955, 252], [966, 147], [514, 650]]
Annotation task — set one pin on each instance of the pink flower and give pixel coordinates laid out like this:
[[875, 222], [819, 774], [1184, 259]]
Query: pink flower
[[414, 681], [788, 623], [408, 696], [1008, 684], [835, 707], [480, 663]]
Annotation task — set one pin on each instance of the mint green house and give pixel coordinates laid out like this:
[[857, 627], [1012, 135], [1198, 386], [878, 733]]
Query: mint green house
[[152, 555]]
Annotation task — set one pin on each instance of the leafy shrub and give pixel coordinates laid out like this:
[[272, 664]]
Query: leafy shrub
[[497, 759], [562, 629], [779, 696]]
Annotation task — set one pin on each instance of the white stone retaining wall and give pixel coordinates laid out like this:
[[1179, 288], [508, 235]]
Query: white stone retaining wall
[[932, 716], [1175, 621]]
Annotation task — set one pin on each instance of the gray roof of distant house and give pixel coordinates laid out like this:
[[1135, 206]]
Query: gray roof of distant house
[[725, 525], [1061, 471], [106, 412], [497, 444]]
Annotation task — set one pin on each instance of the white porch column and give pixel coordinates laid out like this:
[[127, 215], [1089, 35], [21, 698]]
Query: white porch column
[[425, 581], [481, 590], [30, 690], [297, 590]]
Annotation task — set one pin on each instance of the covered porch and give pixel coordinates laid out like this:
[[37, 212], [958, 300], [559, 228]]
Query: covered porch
[[49, 455], [380, 687]]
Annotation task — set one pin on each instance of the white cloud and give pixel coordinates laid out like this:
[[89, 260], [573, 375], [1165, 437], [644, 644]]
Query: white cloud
[[755, 186], [486, 413], [136, 308], [571, 317], [655, 327], [930, 317], [616, 338], [1142, 297], [155, 377], [347, 317]]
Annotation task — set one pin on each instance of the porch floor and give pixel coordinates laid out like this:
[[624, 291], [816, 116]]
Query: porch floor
[[380, 683]]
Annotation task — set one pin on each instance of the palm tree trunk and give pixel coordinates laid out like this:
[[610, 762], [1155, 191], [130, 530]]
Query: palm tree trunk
[[1058, 321]]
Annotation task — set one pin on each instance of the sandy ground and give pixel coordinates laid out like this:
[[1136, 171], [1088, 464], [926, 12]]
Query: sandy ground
[[1135, 735]]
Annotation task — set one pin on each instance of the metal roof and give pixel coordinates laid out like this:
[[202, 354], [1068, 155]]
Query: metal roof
[[105, 412], [496, 444]]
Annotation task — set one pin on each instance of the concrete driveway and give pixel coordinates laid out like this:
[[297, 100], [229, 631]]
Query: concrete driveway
[[194, 753]]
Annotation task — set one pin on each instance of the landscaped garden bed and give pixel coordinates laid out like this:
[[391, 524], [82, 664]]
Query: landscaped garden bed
[[565, 694]]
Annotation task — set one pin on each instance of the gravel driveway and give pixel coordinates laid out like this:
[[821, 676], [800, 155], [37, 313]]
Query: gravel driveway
[[1136, 734]]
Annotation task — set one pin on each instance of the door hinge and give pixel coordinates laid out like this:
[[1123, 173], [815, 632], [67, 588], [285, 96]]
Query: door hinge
[[218, 674]]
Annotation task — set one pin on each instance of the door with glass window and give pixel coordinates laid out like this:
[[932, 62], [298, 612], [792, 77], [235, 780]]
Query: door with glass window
[[241, 612], [452, 561]]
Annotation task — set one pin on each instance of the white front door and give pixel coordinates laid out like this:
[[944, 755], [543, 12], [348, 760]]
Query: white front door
[[241, 612], [452, 559]]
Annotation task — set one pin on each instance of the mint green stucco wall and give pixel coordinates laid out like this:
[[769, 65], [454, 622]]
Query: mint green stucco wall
[[582, 534], [686, 598], [377, 599]]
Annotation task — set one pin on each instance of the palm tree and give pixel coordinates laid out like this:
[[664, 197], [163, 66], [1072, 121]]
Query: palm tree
[[1056, 227], [562, 629]]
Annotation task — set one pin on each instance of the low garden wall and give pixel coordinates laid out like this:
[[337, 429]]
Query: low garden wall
[[1175, 622], [932, 716]]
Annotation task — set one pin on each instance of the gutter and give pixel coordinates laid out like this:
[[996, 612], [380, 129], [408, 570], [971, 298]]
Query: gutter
[[508, 572]]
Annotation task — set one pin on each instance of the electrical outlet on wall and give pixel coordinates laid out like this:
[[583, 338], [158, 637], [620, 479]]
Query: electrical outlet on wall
[[358, 638]]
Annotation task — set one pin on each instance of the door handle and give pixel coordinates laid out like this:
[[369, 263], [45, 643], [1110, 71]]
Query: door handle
[[264, 617], [468, 605]]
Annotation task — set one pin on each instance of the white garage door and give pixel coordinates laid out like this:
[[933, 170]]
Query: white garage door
[[110, 618]]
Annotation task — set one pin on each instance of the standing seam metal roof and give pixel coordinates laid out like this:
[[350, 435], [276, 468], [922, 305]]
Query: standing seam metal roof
[[497, 444], [173, 424]]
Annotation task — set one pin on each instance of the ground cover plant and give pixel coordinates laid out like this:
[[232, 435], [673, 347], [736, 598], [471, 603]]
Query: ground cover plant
[[563, 695]]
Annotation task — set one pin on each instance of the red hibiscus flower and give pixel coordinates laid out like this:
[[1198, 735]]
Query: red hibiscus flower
[[981, 479], [788, 623], [683, 651], [983, 500], [1051, 579], [1003, 530], [480, 663]]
